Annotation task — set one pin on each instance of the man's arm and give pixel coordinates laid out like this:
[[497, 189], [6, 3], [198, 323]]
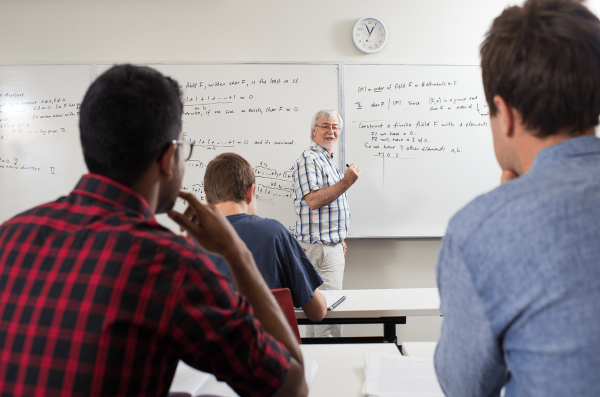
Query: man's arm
[[316, 308], [468, 358], [318, 198], [215, 234]]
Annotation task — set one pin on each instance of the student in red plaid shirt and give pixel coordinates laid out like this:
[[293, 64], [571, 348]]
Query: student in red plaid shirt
[[98, 299]]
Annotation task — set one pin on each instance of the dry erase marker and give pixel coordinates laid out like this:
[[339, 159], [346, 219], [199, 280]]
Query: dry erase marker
[[347, 165]]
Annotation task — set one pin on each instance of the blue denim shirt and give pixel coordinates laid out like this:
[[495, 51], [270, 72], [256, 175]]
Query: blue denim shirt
[[519, 279]]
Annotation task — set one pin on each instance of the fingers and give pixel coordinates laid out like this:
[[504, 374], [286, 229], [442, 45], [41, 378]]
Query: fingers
[[192, 201], [190, 211], [180, 219], [355, 168], [508, 175]]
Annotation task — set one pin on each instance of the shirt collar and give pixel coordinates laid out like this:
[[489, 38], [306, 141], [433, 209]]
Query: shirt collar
[[320, 149], [112, 192], [572, 147]]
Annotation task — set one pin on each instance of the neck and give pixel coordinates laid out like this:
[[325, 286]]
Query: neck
[[232, 208], [149, 188], [329, 152]]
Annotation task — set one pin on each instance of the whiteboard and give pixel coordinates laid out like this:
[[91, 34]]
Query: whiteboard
[[260, 111], [40, 151], [421, 136]]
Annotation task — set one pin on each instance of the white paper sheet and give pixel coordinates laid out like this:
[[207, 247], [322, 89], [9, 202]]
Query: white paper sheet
[[188, 379], [392, 375]]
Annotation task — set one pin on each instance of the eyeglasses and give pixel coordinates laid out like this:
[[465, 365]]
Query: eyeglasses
[[330, 127], [187, 148]]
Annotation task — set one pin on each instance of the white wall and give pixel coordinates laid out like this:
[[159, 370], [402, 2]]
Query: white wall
[[424, 31], [429, 31]]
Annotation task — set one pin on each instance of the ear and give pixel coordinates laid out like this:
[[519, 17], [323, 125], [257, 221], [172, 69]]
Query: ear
[[167, 161], [506, 115], [313, 133], [250, 194]]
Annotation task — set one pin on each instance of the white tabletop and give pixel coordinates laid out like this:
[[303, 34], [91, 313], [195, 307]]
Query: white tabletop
[[373, 303], [341, 370]]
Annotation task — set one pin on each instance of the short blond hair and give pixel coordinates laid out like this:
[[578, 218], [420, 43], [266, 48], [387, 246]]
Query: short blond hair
[[227, 178]]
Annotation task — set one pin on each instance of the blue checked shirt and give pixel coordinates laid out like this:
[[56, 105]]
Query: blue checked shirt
[[329, 224]]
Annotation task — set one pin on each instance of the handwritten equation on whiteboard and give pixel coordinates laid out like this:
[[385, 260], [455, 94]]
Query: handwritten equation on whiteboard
[[421, 135], [31, 117], [259, 111], [40, 152], [216, 98], [409, 117]]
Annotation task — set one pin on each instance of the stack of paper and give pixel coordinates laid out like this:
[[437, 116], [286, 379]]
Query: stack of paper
[[393, 375]]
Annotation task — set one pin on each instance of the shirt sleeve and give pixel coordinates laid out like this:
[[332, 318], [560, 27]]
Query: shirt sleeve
[[468, 358], [308, 174], [217, 333], [300, 275]]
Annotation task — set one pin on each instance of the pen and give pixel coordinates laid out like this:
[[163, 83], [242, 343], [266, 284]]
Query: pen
[[336, 304]]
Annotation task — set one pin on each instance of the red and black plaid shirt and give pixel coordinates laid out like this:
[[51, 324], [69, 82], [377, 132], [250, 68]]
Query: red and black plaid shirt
[[96, 298]]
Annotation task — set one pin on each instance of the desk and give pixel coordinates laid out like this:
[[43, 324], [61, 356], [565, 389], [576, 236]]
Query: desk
[[376, 306], [341, 370]]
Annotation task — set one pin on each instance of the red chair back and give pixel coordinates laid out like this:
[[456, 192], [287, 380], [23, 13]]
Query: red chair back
[[283, 296]]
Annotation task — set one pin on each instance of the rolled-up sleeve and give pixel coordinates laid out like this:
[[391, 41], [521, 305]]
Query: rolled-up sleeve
[[308, 175], [217, 333], [468, 358]]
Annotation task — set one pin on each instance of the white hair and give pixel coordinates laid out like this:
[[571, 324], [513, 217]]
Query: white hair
[[324, 114]]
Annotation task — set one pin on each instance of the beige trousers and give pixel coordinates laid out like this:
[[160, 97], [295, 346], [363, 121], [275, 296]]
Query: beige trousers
[[329, 261]]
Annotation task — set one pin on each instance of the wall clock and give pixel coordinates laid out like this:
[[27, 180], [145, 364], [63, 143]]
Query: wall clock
[[369, 35]]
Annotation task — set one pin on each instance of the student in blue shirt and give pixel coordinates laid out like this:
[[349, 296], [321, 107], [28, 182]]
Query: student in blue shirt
[[519, 269], [229, 184]]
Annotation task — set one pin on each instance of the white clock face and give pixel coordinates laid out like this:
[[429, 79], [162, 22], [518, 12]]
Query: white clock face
[[370, 35]]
